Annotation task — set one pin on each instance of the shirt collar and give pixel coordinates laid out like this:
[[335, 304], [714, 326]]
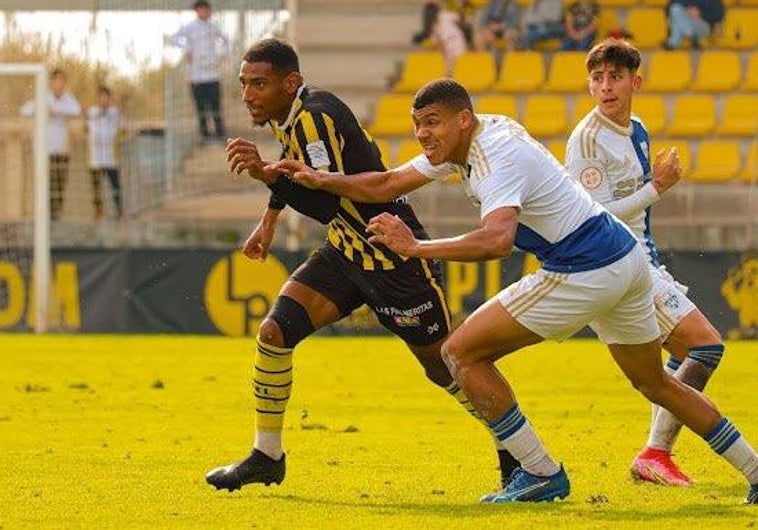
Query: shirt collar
[[296, 105]]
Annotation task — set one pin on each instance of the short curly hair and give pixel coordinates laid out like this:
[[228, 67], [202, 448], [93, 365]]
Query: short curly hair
[[446, 91], [279, 54], [617, 52]]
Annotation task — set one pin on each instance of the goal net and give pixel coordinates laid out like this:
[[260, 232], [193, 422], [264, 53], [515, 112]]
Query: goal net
[[24, 198]]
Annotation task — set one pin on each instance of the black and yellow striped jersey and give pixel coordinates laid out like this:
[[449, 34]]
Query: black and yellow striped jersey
[[322, 132]]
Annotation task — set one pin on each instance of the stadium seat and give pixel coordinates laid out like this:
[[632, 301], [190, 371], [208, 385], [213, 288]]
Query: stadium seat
[[739, 116], [648, 26], [716, 161], [521, 72], [655, 3], [669, 71], [418, 68], [393, 116], [692, 115], [717, 71], [750, 172], [558, 149], [384, 148], [582, 105], [682, 149], [567, 73], [750, 83], [545, 115], [407, 150], [475, 71], [607, 21], [651, 109], [497, 104], [616, 3], [739, 30]]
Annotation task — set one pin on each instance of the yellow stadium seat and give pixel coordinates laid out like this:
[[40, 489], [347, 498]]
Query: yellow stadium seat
[[607, 21], [557, 148], [669, 71], [682, 149], [497, 104], [692, 115], [655, 3], [739, 30], [651, 109], [648, 26], [521, 72], [407, 150], [545, 115], [567, 72], [393, 116], [418, 68], [617, 3], [716, 161], [384, 148], [717, 71], [750, 172], [582, 106], [739, 116], [750, 83], [475, 71]]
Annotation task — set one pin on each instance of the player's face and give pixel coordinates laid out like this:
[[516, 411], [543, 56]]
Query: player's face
[[267, 94], [612, 88], [58, 84], [440, 131]]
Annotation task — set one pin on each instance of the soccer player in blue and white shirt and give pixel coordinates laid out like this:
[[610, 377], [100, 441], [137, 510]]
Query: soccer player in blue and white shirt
[[609, 154], [593, 272]]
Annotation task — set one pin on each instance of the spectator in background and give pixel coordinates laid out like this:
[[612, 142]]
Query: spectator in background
[[542, 20], [61, 106], [499, 20], [204, 46], [692, 19], [580, 25], [103, 126], [442, 30]]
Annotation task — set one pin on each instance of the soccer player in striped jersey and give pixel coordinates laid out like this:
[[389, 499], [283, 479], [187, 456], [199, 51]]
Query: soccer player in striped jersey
[[609, 154], [594, 272], [346, 272]]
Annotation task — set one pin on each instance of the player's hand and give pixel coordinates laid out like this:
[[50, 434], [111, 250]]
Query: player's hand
[[392, 232], [243, 157], [300, 173], [257, 244], [667, 170]]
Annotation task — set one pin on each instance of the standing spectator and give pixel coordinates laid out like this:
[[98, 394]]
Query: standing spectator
[[205, 46], [61, 105], [103, 125], [443, 31], [692, 19], [499, 21], [580, 25], [542, 20]]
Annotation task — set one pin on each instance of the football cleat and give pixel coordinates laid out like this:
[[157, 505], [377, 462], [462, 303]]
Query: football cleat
[[256, 468], [656, 466], [525, 487], [752, 495]]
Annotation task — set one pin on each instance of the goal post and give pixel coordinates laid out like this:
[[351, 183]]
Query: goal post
[[40, 215]]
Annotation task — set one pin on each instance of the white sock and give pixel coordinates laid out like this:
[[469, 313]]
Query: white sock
[[269, 443], [517, 436], [653, 440], [727, 441]]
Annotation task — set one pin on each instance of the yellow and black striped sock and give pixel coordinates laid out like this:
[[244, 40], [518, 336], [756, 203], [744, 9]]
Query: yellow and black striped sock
[[455, 390], [272, 383]]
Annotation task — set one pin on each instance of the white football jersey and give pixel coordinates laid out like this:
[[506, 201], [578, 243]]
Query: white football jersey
[[558, 221], [612, 162]]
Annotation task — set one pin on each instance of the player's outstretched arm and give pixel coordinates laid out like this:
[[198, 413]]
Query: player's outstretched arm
[[493, 240], [369, 187]]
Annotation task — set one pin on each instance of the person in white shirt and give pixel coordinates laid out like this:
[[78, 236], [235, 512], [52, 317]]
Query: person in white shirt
[[103, 126], [205, 46], [61, 106], [609, 154], [593, 272]]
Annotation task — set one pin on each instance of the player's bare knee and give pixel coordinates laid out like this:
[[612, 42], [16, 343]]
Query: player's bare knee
[[453, 357], [270, 333]]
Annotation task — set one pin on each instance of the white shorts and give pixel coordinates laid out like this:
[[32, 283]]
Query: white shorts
[[670, 298], [616, 301]]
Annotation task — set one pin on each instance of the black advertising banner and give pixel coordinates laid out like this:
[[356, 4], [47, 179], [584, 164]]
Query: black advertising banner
[[222, 292]]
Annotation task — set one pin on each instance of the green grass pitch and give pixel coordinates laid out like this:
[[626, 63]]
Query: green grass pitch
[[118, 432]]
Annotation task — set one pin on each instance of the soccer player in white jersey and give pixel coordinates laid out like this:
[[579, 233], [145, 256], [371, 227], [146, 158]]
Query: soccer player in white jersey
[[593, 272], [608, 153]]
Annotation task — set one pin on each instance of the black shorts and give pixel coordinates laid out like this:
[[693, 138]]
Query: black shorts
[[408, 300]]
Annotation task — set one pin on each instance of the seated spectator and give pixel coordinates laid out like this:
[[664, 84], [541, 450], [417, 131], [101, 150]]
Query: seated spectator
[[499, 21], [580, 25], [445, 33], [542, 20], [692, 19]]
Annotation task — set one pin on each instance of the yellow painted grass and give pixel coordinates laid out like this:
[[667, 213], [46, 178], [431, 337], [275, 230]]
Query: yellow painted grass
[[118, 432]]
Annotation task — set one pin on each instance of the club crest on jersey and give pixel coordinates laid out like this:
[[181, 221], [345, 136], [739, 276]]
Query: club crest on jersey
[[318, 154], [591, 178]]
